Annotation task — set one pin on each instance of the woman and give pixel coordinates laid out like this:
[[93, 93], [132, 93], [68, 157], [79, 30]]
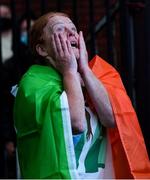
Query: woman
[[64, 96]]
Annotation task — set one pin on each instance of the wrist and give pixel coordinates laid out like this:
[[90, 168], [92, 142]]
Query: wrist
[[71, 72], [85, 71], [71, 77]]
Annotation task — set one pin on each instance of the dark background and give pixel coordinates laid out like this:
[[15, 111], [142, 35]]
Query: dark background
[[116, 30]]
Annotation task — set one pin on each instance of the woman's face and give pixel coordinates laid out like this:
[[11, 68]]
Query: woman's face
[[61, 25]]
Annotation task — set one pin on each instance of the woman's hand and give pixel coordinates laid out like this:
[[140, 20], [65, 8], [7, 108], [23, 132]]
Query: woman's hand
[[64, 58], [83, 55], [65, 62]]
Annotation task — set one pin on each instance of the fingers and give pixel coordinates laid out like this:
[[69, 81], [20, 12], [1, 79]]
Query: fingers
[[69, 47], [54, 44], [82, 46], [81, 41], [63, 43], [59, 44], [83, 56]]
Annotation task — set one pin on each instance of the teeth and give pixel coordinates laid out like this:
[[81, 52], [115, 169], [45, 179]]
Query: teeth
[[73, 44]]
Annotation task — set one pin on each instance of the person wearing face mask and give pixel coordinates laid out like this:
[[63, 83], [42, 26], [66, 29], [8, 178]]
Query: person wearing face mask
[[6, 32], [7, 133], [73, 118], [23, 26], [14, 66]]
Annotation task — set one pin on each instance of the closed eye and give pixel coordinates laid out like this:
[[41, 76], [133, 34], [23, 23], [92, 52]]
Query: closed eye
[[60, 29]]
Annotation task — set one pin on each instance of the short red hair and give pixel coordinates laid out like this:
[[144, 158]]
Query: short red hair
[[36, 32]]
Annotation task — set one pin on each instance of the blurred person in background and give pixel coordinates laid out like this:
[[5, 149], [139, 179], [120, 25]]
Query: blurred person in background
[[7, 133], [23, 24], [17, 64], [6, 31], [13, 67]]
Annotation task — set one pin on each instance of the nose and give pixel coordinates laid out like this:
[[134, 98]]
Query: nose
[[70, 32]]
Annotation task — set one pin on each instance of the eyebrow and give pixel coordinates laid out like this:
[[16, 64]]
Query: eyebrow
[[61, 23], [56, 24]]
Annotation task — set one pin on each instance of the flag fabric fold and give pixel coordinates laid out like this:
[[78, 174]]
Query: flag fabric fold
[[42, 121], [43, 127], [129, 151]]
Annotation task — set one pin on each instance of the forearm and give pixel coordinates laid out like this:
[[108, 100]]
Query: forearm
[[99, 97], [75, 97]]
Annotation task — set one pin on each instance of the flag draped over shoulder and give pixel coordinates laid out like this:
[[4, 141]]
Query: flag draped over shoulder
[[42, 121], [130, 157], [44, 137]]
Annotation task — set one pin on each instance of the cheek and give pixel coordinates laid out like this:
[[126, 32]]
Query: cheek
[[51, 51], [64, 35], [48, 47]]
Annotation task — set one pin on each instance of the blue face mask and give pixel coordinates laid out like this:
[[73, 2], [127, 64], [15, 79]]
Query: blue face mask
[[24, 38]]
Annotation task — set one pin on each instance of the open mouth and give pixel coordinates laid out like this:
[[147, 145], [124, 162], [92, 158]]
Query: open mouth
[[74, 44]]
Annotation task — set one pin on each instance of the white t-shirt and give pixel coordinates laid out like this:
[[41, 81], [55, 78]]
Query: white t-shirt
[[103, 173]]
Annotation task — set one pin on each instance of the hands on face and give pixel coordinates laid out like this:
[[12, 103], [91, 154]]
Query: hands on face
[[65, 59], [83, 55]]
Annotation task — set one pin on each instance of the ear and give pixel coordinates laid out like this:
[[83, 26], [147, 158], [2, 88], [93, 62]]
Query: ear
[[41, 50]]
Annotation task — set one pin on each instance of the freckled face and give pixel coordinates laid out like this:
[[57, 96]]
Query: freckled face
[[61, 25]]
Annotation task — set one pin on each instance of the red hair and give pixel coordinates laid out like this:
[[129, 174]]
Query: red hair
[[36, 33]]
